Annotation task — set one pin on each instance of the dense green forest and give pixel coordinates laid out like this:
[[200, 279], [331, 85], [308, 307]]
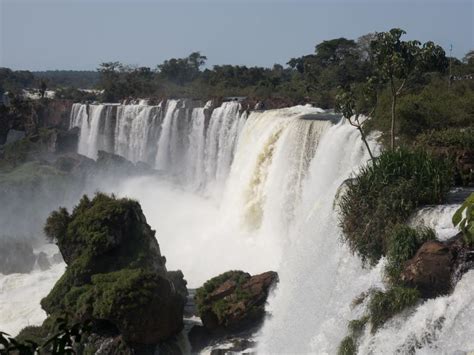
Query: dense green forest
[[78, 79], [315, 77]]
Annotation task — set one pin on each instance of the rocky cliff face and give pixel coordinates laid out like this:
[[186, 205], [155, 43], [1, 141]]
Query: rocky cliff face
[[31, 115]]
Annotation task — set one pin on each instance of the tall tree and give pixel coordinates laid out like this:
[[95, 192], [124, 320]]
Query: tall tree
[[357, 104], [399, 61]]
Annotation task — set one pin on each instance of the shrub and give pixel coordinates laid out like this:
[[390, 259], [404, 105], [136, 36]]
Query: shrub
[[385, 193], [449, 138], [347, 346], [356, 326], [464, 218], [384, 305], [427, 107], [404, 242]]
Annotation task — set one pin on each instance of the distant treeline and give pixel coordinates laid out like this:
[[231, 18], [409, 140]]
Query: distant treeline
[[83, 79], [316, 77]]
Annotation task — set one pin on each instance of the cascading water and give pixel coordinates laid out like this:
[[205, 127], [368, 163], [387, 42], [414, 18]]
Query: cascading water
[[318, 275], [195, 144], [279, 172]]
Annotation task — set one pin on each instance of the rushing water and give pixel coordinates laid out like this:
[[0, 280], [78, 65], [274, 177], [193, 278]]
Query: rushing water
[[255, 191]]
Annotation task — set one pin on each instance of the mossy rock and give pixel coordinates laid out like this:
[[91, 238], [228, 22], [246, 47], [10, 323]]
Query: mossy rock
[[234, 299], [116, 276]]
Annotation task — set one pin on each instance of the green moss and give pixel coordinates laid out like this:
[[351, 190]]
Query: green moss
[[385, 193], [202, 293], [104, 241], [223, 306], [384, 305], [347, 346], [356, 326], [404, 242]]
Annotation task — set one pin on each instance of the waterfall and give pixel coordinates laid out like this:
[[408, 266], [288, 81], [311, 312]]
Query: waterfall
[[278, 173], [193, 144], [318, 275]]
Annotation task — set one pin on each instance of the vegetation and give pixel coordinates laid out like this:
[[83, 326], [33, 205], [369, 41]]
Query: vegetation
[[385, 193], [350, 107], [403, 243], [86, 238], [397, 62], [76, 79], [384, 305], [31, 341], [15, 81], [448, 138], [220, 307], [464, 219], [116, 275], [347, 346], [26, 149]]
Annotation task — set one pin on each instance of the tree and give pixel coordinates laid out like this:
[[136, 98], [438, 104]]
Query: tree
[[353, 104], [469, 57], [398, 61], [364, 46], [182, 70], [43, 87], [110, 74]]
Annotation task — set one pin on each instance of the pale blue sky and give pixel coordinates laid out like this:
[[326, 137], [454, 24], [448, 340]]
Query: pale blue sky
[[75, 34]]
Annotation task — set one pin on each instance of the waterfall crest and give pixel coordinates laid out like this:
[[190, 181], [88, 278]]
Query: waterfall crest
[[195, 144]]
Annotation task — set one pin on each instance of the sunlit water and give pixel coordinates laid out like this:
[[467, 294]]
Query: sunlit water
[[256, 192]]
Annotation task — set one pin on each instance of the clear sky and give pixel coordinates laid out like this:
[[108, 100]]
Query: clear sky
[[80, 34]]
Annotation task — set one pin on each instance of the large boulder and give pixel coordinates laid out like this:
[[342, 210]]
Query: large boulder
[[437, 265], [232, 308], [116, 276], [234, 300]]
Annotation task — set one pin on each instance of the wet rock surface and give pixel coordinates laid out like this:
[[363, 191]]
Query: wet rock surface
[[437, 266], [231, 307]]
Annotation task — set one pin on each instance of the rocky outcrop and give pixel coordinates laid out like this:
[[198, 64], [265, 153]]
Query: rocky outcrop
[[234, 300], [231, 307], [65, 141], [16, 257], [437, 266], [55, 113], [116, 165], [116, 276]]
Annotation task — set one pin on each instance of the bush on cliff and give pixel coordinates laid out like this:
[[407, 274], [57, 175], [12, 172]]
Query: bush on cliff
[[116, 276], [385, 193]]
